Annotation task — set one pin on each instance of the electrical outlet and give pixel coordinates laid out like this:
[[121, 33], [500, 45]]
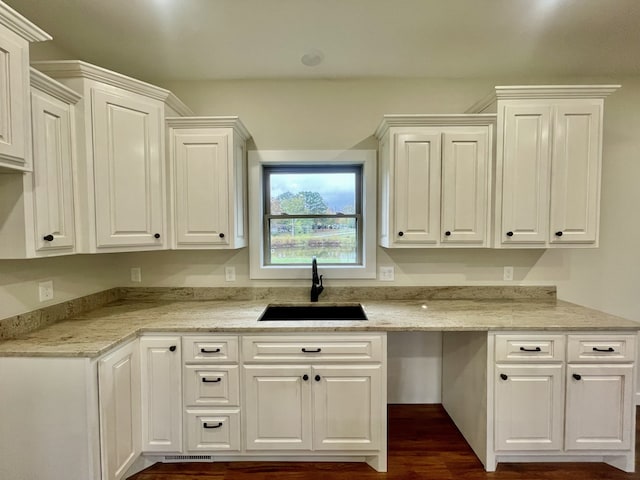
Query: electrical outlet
[[386, 274], [507, 274], [136, 274], [45, 290], [230, 274]]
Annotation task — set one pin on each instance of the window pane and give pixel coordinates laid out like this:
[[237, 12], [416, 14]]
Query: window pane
[[312, 193], [297, 240]]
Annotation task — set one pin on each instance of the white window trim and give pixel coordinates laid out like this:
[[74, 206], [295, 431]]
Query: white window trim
[[258, 158]]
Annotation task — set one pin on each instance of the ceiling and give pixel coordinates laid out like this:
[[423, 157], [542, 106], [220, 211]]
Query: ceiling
[[223, 39]]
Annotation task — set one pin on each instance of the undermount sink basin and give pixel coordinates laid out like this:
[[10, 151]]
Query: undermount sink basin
[[349, 312]]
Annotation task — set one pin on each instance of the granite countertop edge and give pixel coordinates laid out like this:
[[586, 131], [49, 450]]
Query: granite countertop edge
[[95, 333]]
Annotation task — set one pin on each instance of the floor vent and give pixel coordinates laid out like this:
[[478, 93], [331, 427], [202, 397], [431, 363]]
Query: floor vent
[[187, 458]]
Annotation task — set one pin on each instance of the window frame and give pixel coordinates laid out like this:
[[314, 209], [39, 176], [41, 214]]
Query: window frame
[[261, 159]]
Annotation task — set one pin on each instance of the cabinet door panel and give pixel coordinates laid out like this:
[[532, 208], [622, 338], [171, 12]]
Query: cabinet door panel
[[14, 100], [202, 203], [128, 171], [213, 430], [207, 385], [417, 188], [161, 394], [529, 404], [277, 407], [525, 181], [346, 402], [464, 187], [599, 407], [575, 173], [52, 177], [119, 388]]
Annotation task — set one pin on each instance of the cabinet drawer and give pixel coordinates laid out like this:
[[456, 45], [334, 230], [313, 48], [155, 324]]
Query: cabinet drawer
[[213, 430], [601, 348], [358, 348], [211, 385], [210, 349], [529, 348]]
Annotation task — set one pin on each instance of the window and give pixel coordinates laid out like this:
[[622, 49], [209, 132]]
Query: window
[[312, 203]]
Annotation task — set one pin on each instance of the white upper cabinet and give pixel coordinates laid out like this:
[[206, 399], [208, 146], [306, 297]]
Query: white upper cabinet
[[207, 165], [435, 180], [37, 217], [120, 168], [15, 133], [548, 165]]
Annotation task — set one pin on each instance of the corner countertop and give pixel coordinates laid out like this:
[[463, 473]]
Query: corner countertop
[[94, 333]]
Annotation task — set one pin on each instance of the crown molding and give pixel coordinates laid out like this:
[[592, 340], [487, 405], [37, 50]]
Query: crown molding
[[48, 85], [178, 105], [79, 69], [233, 122], [482, 104], [555, 91], [420, 120], [21, 26]]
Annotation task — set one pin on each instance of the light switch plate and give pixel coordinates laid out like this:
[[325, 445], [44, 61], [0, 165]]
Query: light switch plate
[[386, 274], [45, 290]]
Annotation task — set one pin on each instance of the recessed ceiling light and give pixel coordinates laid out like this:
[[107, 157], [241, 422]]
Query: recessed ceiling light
[[312, 58]]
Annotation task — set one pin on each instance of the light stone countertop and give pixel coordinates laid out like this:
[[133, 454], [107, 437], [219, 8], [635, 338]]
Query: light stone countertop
[[95, 333]]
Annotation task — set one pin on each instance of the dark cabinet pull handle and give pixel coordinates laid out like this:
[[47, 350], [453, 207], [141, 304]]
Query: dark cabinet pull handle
[[317, 350], [172, 348], [447, 233], [558, 234], [215, 380], [400, 234], [156, 235], [503, 376], [317, 377], [610, 349], [204, 350], [206, 425], [509, 234], [221, 235], [523, 349], [305, 377], [48, 238], [577, 377]]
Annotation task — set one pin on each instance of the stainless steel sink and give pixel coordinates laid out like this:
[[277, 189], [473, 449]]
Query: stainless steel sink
[[342, 312]]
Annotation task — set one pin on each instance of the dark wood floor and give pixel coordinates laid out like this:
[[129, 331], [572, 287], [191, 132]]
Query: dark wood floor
[[423, 444]]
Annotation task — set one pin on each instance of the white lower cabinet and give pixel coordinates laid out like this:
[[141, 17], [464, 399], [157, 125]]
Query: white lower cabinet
[[213, 430], [119, 393], [539, 410], [161, 366]]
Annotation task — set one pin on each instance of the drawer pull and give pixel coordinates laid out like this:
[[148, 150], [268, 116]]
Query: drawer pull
[[204, 350], [503, 376], [215, 380], [537, 349], [206, 425], [610, 349], [577, 377], [316, 350]]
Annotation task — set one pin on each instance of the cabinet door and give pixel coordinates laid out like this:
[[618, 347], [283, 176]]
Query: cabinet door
[[525, 175], [347, 403], [161, 394], [575, 173], [464, 187], [417, 189], [14, 100], [599, 407], [128, 168], [277, 407], [201, 188], [52, 177], [119, 391], [529, 405]]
